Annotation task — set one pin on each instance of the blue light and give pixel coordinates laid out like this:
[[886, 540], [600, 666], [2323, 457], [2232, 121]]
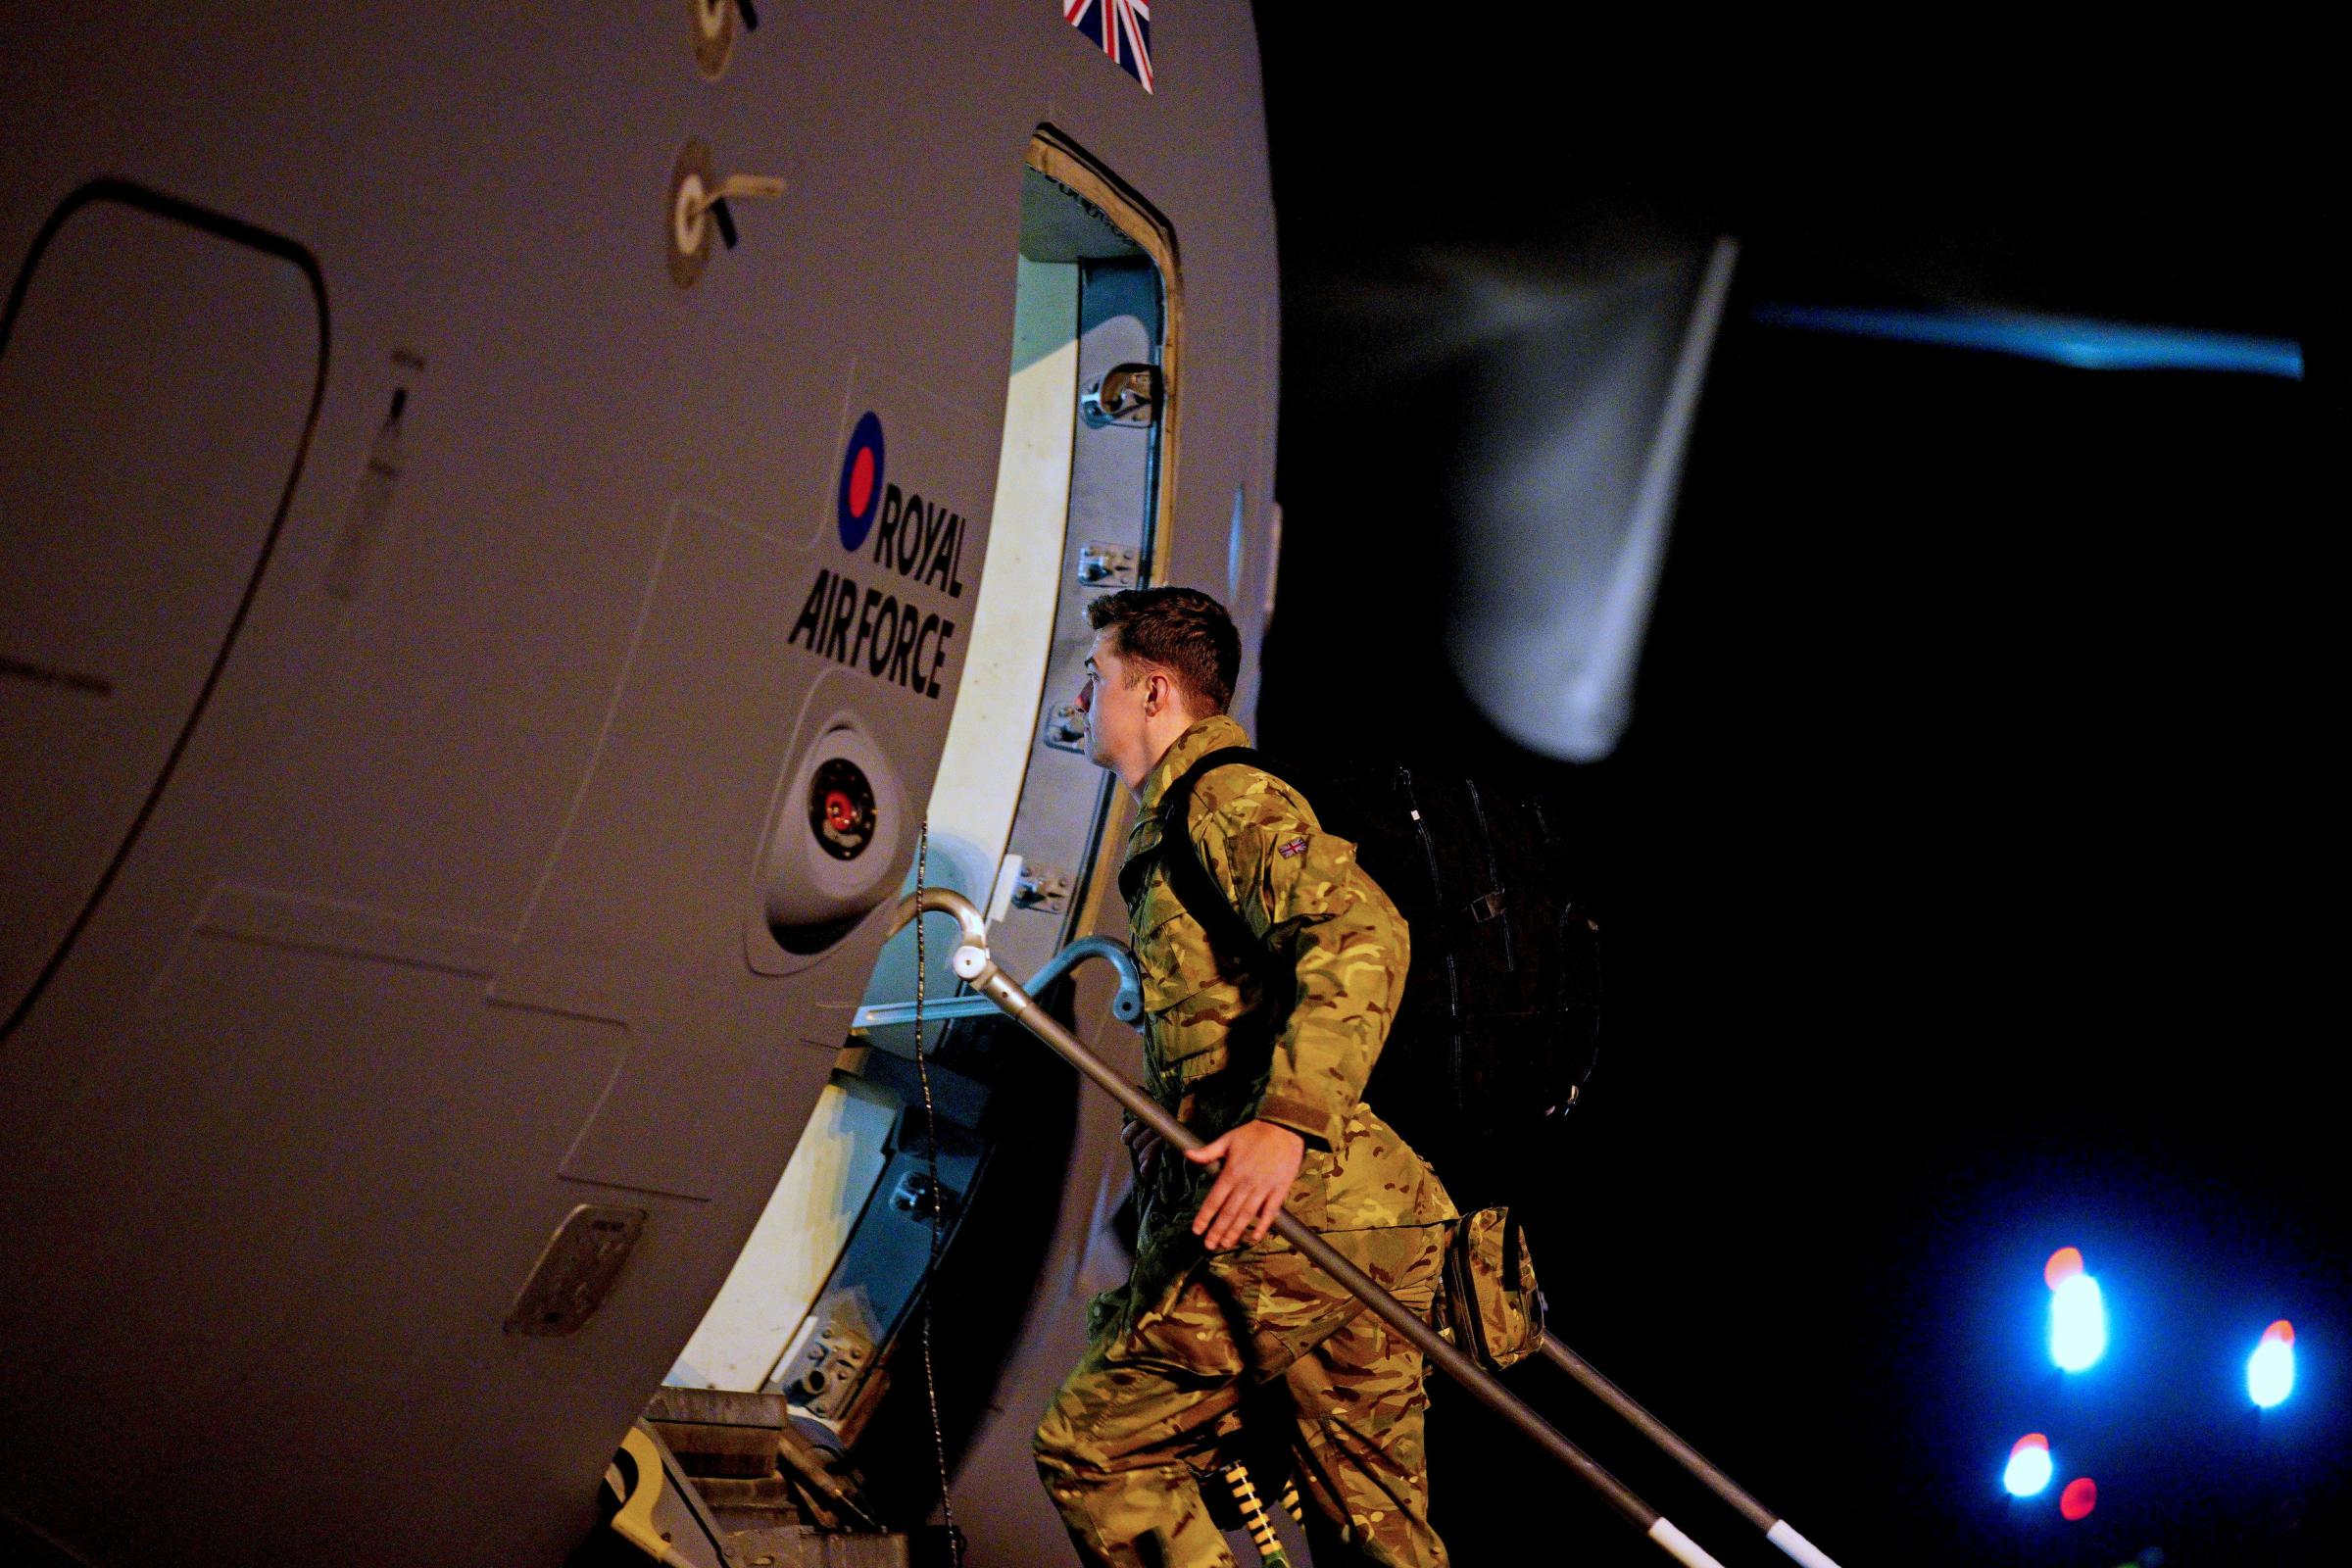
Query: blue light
[[2271, 1369], [2030, 1468], [2077, 1323], [2060, 340]]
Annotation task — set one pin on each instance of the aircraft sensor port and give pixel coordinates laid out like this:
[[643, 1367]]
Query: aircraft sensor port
[[833, 854]]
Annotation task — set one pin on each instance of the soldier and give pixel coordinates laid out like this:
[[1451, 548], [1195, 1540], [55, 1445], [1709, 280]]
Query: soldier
[[1214, 1314]]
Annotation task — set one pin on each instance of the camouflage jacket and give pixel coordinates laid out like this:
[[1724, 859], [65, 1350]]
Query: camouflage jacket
[[1214, 1055]]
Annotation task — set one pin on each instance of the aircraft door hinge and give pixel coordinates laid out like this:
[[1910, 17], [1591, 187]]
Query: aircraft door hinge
[[822, 1371], [1105, 566], [1127, 395], [1041, 887], [915, 1195], [1066, 728]]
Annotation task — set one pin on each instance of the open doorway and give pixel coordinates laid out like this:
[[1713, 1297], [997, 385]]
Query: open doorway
[[1019, 820]]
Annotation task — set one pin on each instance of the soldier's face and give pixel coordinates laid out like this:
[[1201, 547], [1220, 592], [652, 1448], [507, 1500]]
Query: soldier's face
[[1113, 701]]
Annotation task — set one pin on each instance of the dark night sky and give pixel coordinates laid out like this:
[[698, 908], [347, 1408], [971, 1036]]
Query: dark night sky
[[1966, 872]]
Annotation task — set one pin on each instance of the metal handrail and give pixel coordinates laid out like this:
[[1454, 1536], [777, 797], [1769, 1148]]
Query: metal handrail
[[1780, 1532], [1126, 1005], [973, 963]]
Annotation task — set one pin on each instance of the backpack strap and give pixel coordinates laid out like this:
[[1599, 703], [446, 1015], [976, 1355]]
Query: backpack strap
[[1190, 880]]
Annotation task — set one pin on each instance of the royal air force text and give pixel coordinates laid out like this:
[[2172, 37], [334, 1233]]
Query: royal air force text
[[897, 642]]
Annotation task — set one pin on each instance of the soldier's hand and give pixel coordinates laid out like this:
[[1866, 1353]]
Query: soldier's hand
[[1142, 1145], [1261, 1160]]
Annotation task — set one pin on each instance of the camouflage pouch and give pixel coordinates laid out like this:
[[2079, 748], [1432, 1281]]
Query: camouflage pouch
[[1493, 1310]]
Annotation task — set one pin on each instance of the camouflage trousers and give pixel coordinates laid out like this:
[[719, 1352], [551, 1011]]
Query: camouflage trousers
[[1123, 1447]]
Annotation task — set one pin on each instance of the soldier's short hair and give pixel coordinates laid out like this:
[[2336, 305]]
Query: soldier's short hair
[[1181, 630]]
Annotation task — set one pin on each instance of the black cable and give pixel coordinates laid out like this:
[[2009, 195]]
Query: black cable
[[922, 1070]]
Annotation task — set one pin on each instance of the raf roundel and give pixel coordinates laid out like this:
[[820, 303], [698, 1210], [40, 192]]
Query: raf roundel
[[859, 495]]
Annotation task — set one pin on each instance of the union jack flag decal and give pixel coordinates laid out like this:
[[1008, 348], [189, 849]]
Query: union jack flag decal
[[1123, 29]]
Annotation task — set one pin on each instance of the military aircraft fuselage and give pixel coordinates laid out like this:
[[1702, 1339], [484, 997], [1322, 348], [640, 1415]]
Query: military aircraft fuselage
[[508, 525]]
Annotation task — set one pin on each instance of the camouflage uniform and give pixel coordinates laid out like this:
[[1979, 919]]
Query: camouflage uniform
[[1192, 1335]]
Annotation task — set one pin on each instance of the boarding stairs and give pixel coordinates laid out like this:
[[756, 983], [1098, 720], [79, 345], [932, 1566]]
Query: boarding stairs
[[717, 1478], [759, 1493]]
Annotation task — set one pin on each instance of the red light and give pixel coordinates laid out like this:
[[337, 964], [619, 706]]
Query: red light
[[2064, 1265], [2082, 1495], [2280, 1333], [2031, 1440]]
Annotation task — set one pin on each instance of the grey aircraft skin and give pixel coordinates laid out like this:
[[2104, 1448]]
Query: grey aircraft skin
[[440, 576]]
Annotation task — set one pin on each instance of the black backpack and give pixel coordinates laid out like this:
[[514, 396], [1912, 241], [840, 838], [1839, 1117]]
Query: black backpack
[[1499, 1025]]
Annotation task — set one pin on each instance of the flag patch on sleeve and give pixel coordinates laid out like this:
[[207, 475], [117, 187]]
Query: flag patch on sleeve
[[1295, 847]]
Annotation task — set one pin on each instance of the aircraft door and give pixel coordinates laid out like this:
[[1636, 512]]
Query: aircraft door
[[1020, 820], [160, 368], [1065, 802]]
